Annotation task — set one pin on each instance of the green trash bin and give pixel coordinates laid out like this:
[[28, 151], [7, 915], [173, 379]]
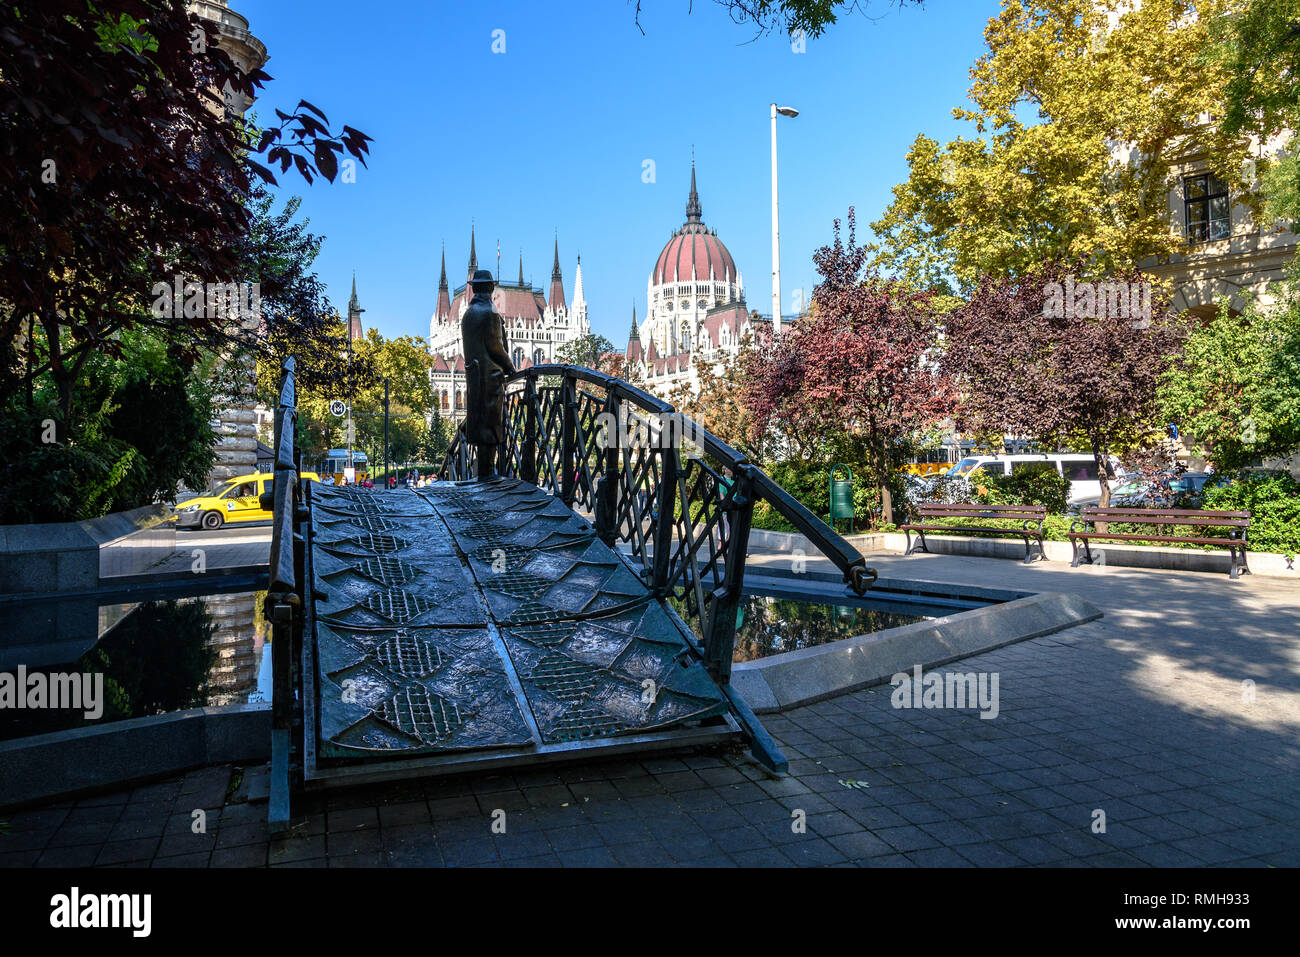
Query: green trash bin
[[841, 495]]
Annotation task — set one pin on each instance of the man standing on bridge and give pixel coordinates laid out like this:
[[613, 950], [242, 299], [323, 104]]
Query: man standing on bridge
[[487, 364]]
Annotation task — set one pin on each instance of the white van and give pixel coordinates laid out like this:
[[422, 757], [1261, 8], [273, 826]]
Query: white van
[[1080, 469]]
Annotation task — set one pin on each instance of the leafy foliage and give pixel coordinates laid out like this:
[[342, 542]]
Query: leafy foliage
[[145, 431], [592, 352], [809, 16], [1037, 484], [1274, 503], [1235, 389], [1059, 89], [121, 168], [850, 381], [1258, 44], [1064, 378]]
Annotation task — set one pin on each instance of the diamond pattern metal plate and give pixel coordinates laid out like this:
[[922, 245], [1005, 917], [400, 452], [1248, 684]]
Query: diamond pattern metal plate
[[484, 615]]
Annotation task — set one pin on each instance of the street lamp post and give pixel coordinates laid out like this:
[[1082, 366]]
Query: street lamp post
[[776, 231]]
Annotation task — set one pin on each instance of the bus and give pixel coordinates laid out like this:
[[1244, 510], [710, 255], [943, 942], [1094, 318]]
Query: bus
[[336, 460], [939, 459]]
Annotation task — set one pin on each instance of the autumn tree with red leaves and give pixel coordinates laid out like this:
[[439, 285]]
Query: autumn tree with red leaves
[[853, 379], [1066, 360]]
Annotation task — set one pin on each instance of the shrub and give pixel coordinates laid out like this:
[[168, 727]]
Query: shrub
[[1037, 484], [1273, 499]]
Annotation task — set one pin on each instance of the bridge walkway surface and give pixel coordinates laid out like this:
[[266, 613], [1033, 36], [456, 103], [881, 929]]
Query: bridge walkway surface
[[484, 622]]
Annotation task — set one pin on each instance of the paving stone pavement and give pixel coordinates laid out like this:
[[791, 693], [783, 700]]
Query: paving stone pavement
[[1141, 715]]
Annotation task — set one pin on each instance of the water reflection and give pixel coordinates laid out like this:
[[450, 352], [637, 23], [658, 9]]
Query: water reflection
[[768, 626], [155, 656]]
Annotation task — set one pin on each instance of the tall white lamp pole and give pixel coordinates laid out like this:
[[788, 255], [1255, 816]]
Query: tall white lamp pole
[[776, 230]]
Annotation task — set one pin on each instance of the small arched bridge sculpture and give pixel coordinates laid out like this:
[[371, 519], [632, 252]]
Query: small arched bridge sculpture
[[583, 600]]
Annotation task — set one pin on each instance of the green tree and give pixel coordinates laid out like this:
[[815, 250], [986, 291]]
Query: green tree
[[1235, 389], [592, 351], [1258, 43], [1079, 111]]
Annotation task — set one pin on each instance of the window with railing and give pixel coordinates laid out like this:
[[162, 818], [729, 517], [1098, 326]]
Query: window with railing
[[1205, 206]]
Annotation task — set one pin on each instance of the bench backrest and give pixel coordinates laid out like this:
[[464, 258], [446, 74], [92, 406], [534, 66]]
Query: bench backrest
[[1168, 516], [983, 511]]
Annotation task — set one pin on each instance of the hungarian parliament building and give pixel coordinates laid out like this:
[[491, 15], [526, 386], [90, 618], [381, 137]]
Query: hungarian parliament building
[[695, 313], [536, 326]]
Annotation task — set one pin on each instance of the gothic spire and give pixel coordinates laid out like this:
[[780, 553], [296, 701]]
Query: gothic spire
[[473, 256], [443, 309], [521, 267], [556, 299], [693, 210], [354, 313]]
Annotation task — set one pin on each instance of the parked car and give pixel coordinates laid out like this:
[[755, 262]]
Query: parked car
[[237, 501], [1161, 491]]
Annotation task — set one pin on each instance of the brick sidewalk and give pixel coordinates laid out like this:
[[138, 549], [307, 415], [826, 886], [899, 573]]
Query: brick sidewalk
[[1139, 715]]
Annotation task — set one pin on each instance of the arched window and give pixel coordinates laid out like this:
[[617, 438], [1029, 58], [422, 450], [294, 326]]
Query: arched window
[[686, 337], [518, 356], [460, 399], [539, 357], [446, 404]]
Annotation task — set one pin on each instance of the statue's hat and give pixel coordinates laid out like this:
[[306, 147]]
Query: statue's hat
[[483, 277]]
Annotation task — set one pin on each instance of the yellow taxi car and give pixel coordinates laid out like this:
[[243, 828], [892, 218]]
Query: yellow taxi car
[[236, 501]]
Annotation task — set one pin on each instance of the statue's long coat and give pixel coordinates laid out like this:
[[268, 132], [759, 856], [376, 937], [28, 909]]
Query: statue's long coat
[[486, 365]]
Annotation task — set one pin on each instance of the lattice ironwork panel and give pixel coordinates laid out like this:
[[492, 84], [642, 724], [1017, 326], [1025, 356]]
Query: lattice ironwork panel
[[547, 633], [417, 711], [372, 523], [530, 612], [408, 656], [563, 677], [488, 531], [581, 723], [367, 544], [502, 557], [397, 605], [516, 583], [386, 571]]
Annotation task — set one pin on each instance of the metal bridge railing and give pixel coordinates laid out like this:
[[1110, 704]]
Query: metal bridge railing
[[679, 498], [284, 598]]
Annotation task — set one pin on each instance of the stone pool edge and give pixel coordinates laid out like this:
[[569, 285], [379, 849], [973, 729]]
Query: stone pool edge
[[780, 682], [82, 761]]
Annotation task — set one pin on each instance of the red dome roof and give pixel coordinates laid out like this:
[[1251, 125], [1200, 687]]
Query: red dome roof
[[693, 247]]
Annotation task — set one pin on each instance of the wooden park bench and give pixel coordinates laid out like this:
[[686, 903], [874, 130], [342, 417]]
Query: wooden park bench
[[1027, 515], [1235, 522]]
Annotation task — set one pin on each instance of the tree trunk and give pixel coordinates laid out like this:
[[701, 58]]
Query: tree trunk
[[1104, 475]]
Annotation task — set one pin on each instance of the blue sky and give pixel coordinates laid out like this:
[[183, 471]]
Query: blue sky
[[553, 134]]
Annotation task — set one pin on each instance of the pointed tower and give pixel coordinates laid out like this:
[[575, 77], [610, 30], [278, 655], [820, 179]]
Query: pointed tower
[[634, 350], [354, 314], [521, 267], [556, 299], [473, 256], [694, 212], [443, 312], [578, 297]]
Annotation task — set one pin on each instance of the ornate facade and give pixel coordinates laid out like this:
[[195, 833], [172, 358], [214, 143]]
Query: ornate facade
[[237, 423], [696, 311], [536, 325]]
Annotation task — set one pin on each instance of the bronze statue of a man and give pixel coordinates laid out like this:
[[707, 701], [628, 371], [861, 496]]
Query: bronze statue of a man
[[486, 365]]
